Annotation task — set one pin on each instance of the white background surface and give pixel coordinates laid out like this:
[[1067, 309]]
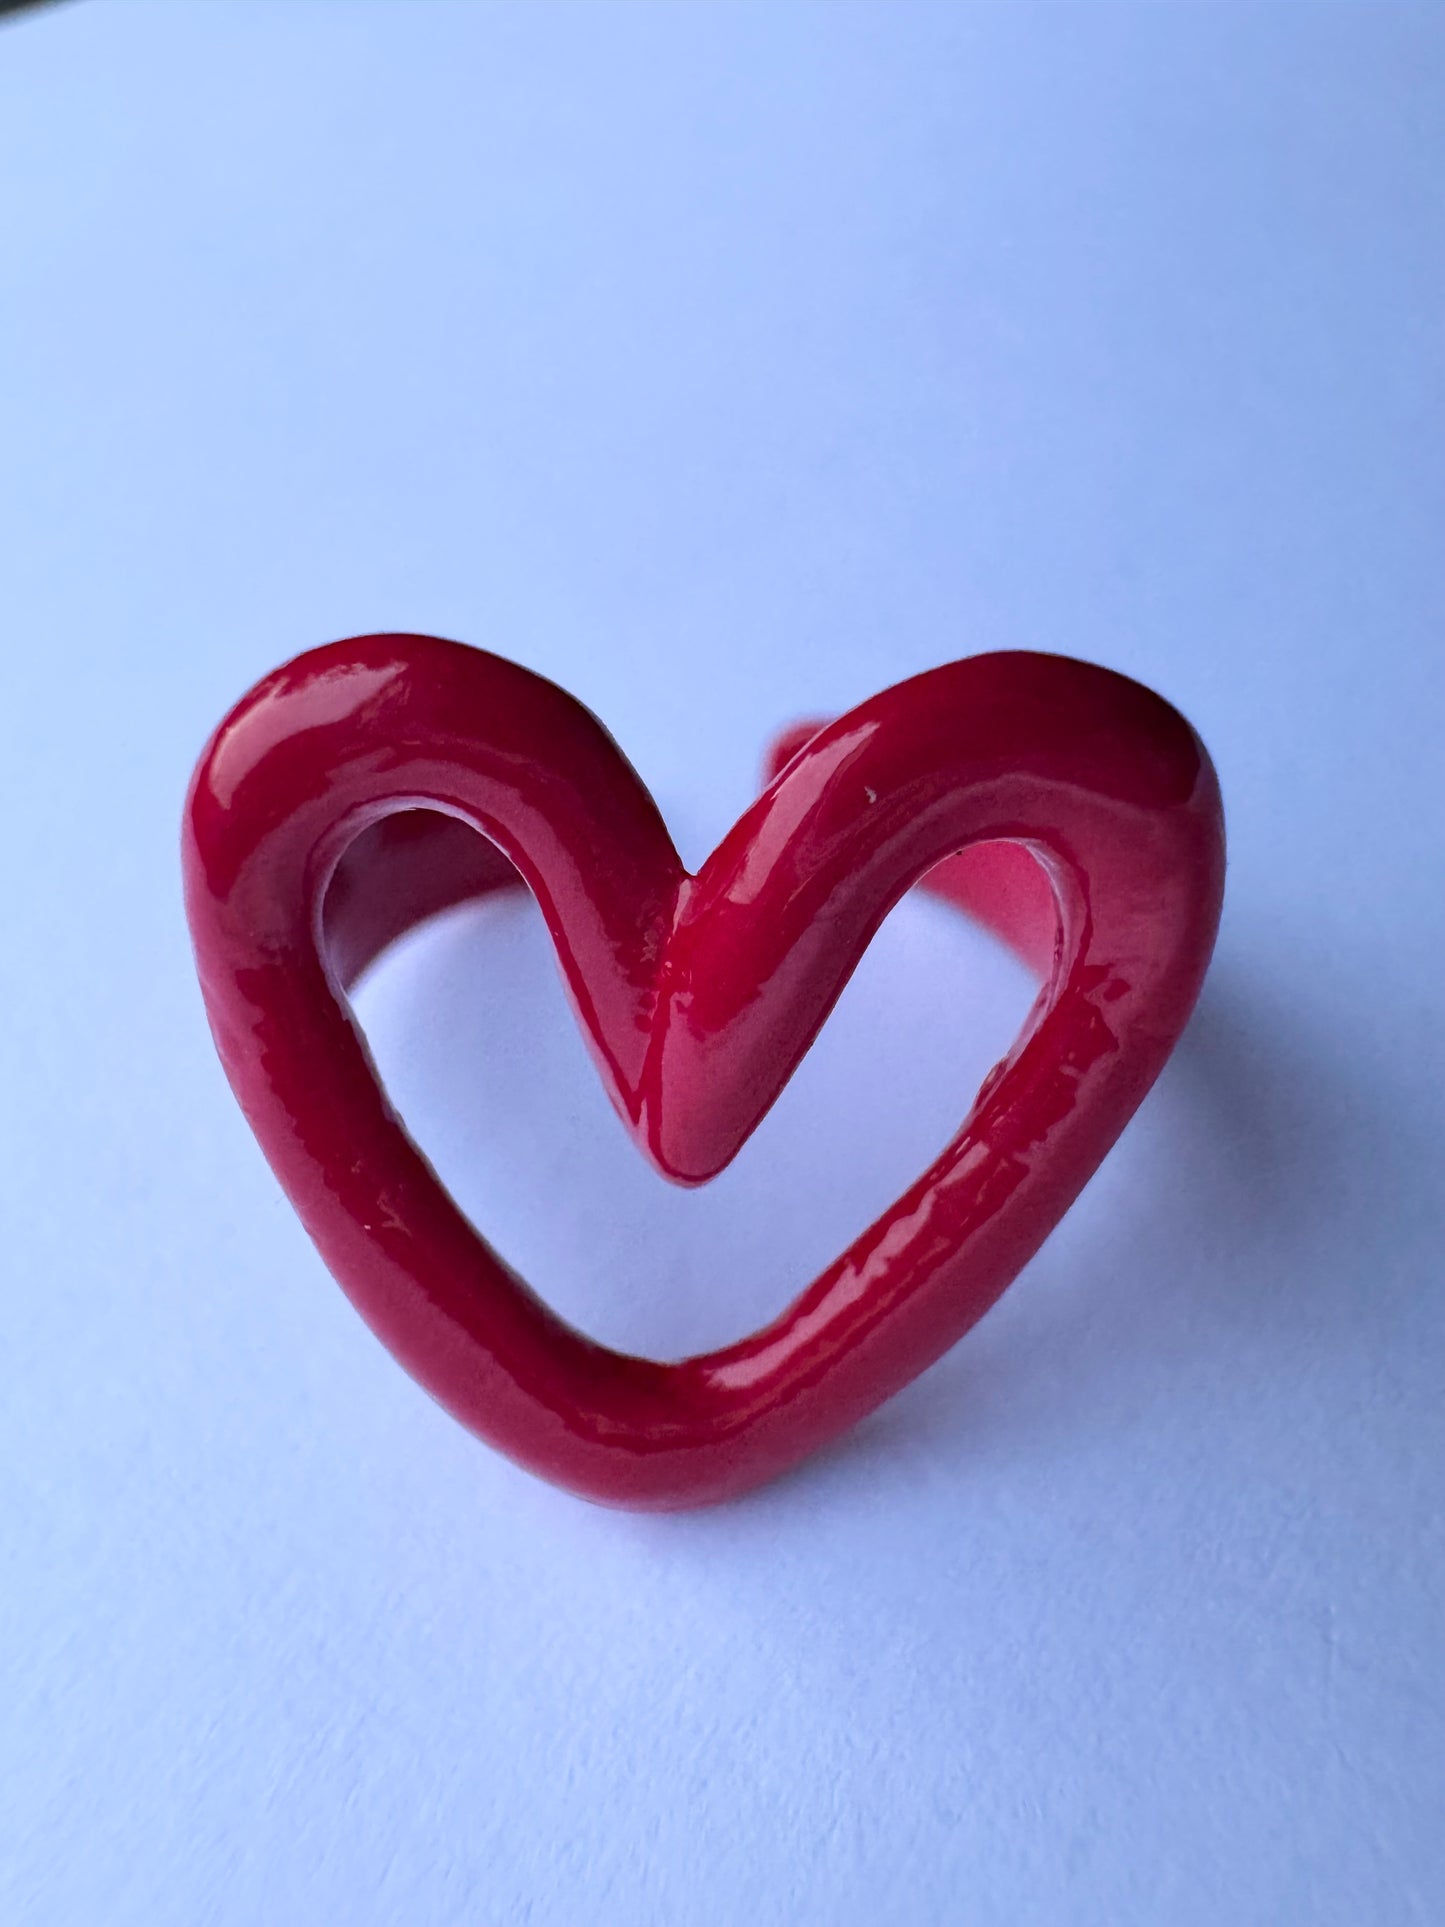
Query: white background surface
[[726, 363]]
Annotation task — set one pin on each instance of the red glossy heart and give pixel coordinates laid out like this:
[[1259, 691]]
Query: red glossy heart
[[1088, 820]]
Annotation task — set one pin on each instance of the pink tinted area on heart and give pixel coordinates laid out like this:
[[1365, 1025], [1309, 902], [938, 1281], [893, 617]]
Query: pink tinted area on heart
[[339, 804]]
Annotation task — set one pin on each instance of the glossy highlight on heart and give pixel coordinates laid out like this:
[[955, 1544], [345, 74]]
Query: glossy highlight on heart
[[371, 783]]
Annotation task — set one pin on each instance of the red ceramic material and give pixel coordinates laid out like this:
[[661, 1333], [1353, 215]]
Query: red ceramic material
[[1073, 811]]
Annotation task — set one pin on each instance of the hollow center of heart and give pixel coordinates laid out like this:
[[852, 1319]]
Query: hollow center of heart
[[471, 1032]]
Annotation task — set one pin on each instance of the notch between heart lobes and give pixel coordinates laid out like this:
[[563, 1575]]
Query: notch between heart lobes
[[338, 805]]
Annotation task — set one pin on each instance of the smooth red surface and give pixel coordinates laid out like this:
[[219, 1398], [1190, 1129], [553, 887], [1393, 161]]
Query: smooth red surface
[[1088, 820]]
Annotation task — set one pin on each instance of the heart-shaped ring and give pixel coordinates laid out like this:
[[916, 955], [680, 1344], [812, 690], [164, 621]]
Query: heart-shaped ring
[[370, 783]]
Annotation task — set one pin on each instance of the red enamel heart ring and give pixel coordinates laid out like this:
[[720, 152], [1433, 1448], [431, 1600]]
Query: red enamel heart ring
[[369, 784]]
